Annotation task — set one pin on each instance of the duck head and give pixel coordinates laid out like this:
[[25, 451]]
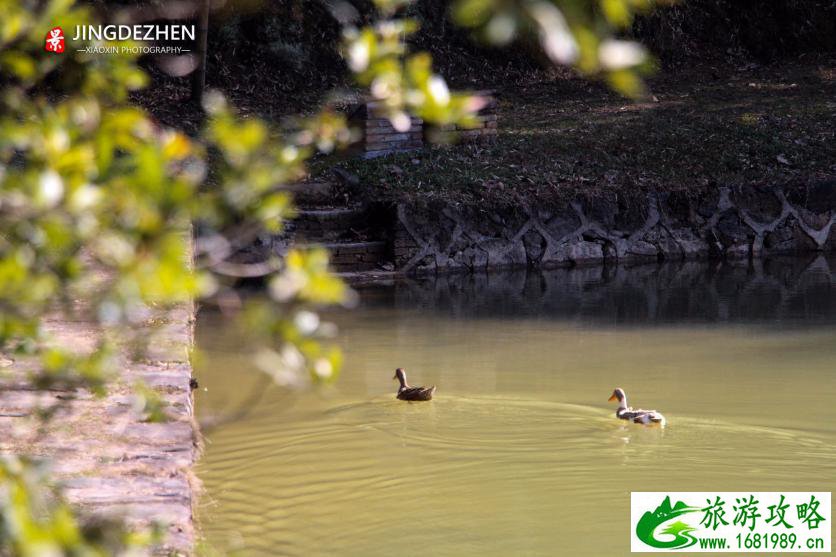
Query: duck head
[[619, 395], [400, 375]]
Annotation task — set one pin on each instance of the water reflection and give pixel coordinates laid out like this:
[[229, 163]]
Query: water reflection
[[780, 290]]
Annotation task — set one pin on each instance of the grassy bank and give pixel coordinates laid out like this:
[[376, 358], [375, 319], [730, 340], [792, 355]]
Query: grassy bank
[[701, 127]]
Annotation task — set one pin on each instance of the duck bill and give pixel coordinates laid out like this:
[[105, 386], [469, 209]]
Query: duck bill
[[612, 397]]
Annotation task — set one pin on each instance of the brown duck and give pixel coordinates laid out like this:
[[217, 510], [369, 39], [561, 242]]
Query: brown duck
[[405, 392]]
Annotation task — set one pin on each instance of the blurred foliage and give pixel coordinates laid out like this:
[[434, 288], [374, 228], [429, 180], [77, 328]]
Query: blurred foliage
[[581, 33], [36, 522], [96, 199], [299, 38], [292, 45], [403, 83], [98, 202]]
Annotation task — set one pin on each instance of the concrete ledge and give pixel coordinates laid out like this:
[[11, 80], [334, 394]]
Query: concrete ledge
[[110, 463]]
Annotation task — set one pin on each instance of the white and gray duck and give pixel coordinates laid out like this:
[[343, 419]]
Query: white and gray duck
[[405, 392], [635, 415]]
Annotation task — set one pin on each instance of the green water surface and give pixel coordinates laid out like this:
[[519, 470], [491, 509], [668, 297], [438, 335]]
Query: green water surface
[[520, 452]]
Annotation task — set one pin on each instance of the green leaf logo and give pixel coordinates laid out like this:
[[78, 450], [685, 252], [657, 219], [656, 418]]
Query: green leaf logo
[[681, 532]]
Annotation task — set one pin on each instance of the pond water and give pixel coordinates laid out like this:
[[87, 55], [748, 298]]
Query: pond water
[[520, 453]]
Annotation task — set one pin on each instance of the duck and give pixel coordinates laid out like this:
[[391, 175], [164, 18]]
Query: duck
[[405, 392], [637, 415]]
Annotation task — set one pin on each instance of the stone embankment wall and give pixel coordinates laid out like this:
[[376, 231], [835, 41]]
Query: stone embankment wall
[[720, 223], [109, 462]]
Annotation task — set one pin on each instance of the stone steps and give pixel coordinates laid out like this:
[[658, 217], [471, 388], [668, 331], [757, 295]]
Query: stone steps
[[313, 194], [354, 257], [348, 231], [326, 224]]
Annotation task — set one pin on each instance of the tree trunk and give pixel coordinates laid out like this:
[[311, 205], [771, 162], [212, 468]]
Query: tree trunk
[[199, 73]]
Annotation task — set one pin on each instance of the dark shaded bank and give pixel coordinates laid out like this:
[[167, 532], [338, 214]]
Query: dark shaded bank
[[702, 129], [731, 168], [686, 31], [279, 58], [743, 223]]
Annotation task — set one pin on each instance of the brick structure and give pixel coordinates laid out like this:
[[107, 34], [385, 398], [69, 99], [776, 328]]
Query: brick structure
[[380, 138], [485, 128], [355, 257]]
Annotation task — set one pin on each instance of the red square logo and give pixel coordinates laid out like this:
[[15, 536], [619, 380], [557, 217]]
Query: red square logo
[[54, 41]]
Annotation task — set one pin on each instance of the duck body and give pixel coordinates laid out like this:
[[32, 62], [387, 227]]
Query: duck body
[[412, 394], [636, 415], [639, 416], [416, 393]]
